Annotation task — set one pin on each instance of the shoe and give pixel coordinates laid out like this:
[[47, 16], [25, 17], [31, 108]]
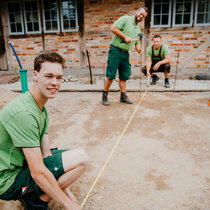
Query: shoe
[[31, 205], [155, 78], [167, 85], [125, 99], [105, 101], [30, 201]]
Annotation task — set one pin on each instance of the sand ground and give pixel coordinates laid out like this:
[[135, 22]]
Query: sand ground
[[162, 161]]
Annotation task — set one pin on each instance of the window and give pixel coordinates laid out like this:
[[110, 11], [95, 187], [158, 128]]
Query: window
[[202, 12], [184, 13], [32, 17], [50, 15], [69, 15], [56, 14], [15, 18], [160, 11]]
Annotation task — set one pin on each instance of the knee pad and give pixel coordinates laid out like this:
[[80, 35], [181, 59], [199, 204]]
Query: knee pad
[[144, 70], [167, 67]]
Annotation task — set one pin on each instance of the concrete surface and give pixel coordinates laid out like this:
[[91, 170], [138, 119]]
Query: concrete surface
[[162, 161]]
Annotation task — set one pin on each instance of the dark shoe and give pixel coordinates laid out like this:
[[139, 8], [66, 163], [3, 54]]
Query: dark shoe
[[125, 99], [155, 78], [30, 201], [105, 101], [167, 85], [34, 205]]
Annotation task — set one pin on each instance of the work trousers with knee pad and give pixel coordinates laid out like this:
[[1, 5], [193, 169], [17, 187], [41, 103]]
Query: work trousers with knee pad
[[163, 68]]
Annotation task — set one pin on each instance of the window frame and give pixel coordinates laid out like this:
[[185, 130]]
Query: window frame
[[152, 18], [76, 18], [25, 23], [41, 18], [21, 17], [196, 16], [172, 10], [174, 15], [58, 19]]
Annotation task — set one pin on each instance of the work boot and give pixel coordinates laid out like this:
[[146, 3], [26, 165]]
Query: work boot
[[125, 99], [105, 101], [30, 201], [167, 85], [155, 78], [34, 204]]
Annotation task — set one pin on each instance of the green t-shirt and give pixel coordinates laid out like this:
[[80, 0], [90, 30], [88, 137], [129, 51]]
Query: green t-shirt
[[164, 51], [22, 124], [128, 26]]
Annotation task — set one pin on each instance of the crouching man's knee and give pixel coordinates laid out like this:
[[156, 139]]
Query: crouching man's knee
[[74, 159], [84, 158], [167, 67], [144, 70]]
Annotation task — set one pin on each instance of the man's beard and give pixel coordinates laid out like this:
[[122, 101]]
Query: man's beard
[[136, 19]]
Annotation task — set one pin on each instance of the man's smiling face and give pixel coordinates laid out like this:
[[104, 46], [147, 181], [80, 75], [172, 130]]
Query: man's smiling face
[[49, 79]]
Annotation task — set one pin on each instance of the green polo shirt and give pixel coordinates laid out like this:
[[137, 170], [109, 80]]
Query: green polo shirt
[[128, 26], [22, 124], [164, 51]]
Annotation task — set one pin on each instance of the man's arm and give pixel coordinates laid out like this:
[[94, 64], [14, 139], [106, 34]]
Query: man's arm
[[148, 65], [45, 146], [117, 32], [138, 48], [45, 179], [164, 61]]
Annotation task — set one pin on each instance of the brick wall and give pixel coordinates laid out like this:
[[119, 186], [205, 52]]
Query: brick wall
[[26, 50], [99, 16]]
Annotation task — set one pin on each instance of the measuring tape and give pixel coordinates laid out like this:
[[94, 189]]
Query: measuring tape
[[114, 148]]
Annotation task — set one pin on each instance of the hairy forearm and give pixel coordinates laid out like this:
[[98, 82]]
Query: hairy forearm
[[148, 67], [138, 48], [117, 32], [46, 181], [164, 61]]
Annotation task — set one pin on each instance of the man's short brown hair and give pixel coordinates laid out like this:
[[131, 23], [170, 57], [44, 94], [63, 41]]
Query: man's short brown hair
[[47, 56], [156, 36]]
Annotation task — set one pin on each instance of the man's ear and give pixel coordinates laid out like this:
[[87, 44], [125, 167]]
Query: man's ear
[[35, 74]]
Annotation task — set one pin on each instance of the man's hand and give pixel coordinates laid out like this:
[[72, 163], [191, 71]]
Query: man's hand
[[156, 66], [128, 39], [141, 51], [72, 206]]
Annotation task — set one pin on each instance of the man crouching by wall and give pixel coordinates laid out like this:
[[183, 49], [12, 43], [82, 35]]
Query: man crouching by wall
[[25, 155], [157, 60]]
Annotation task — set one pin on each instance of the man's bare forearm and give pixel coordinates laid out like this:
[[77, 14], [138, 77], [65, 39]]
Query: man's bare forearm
[[164, 61], [117, 32], [44, 178], [148, 67], [46, 181]]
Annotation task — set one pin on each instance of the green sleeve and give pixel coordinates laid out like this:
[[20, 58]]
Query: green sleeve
[[120, 23], [24, 134], [166, 50], [149, 51]]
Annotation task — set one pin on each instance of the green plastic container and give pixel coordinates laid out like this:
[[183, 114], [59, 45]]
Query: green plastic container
[[23, 79]]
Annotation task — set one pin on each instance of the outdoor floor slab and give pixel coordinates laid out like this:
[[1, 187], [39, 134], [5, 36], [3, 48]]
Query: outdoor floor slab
[[132, 86]]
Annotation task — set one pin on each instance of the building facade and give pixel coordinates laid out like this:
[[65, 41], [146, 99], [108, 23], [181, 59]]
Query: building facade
[[70, 27]]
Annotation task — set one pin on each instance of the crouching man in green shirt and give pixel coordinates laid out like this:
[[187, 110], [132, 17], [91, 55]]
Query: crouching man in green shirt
[[25, 156], [157, 60], [125, 29]]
